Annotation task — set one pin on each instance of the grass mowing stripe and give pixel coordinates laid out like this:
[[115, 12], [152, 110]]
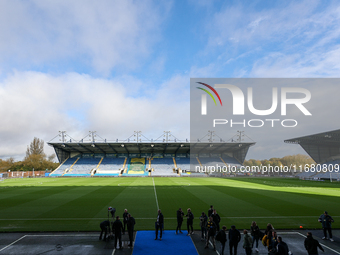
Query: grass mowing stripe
[[61, 200]]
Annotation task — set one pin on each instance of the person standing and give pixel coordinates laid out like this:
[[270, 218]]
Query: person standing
[[159, 224], [272, 245], [255, 234], [125, 218], [104, 226], [210, 211], [326, 221], [222, 238], [217, 219], [190, 221], [180, 215], [247, 242], [234, 238], [211, 227], [312, 245], [203, 225], [118, 229], [130, 228], [282, 247]]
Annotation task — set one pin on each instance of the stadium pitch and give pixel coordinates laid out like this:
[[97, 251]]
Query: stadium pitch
[[80, 204]]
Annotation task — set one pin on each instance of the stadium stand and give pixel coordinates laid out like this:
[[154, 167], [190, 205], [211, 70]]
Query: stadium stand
[[112, 164], [110, 167], [328, 175], [135, 157], [183, 164], [305, 175], [163, 167], [83, 167], [324, 150], [230, 161], [64, 167], [136, 167]]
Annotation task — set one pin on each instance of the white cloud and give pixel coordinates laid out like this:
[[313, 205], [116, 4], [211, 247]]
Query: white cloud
[[245, 25], [321, 63], [37, 104], [102, 35]]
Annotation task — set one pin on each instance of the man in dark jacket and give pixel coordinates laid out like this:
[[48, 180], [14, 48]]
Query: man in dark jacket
[[282, 247], [312, 245], [234, 238], [211, 227], [118, 229], [210, 211], [326, 221], [130, 227], [180, 215], [104, 227], [190, 221], [217, 219], [222, 238], [159, 224]]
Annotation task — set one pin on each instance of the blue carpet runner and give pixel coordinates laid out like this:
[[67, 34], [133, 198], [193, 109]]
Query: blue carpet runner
[[171, 243]]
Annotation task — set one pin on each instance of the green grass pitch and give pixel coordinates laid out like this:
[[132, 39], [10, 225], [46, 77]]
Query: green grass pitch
[[80, 204]]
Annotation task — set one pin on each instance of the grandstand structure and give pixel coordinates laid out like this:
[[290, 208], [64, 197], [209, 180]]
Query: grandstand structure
[[139, 156], [324, 149]]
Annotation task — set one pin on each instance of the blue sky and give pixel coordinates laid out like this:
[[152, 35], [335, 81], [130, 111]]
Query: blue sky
[[120, 66]]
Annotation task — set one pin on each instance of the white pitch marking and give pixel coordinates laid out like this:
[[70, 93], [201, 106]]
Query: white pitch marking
[[194, 244], [215, 247], [321, 244], [13, 243], [154, 187], [170, 218]]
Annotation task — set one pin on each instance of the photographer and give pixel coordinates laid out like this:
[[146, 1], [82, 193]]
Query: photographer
[[104, 226]]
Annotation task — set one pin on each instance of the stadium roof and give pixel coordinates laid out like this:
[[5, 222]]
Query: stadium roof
[[237, 150], [322, 147]]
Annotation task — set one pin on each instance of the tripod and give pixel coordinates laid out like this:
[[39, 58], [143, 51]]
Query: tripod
[[111, 211]]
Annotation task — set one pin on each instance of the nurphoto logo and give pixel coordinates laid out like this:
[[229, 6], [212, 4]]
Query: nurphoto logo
[[238, 104]]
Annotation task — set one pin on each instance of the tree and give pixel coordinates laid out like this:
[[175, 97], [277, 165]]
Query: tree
[[36, 157], [35, 148]]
